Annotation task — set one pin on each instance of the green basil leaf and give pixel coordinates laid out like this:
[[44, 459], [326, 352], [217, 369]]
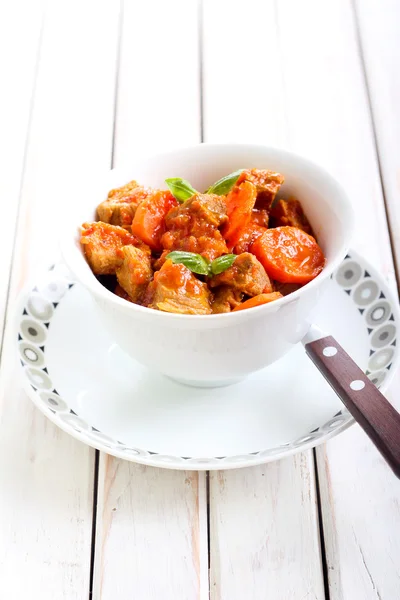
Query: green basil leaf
[[220, 264], [180, 188], [224, 185], [195, 262]]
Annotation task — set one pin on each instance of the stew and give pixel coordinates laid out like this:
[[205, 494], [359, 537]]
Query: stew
[[233, 247]]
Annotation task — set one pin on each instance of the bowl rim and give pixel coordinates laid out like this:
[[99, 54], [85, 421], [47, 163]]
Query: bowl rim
[[101, 292]]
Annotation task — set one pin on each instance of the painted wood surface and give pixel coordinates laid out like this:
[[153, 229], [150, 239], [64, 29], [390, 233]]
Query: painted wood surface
[[46, 477], [151, 534], [281, 73], [264, 534]]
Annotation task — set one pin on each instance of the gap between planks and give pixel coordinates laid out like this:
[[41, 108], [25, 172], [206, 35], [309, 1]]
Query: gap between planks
[[94, 520], [97, 452], [324, 562]]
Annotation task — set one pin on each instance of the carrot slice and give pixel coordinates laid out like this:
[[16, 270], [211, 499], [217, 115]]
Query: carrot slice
[[258, 300], [149, 220], [289, 255], [240, 202]]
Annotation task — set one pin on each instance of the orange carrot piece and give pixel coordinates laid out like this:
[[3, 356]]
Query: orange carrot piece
[[289, 255], [149, 220], [240, 202], [258, 300]]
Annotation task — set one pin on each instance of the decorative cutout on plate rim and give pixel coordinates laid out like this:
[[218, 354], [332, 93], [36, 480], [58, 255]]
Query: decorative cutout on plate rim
[[41, 305]]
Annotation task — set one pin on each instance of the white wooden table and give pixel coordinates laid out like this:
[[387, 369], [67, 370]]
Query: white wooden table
[[88, 84]]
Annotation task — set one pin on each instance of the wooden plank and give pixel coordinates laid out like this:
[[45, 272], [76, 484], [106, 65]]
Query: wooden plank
[[379, 29], [264, 527], [362, 515], [151, 533], [46, 477], [15, 109], [264, 532], [243, 80], [158, 87]]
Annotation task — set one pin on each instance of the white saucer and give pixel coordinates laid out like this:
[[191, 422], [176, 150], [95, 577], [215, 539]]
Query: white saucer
[[79, 379]]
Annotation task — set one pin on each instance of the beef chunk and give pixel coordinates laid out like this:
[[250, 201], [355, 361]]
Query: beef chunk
[[247, 275], [290, 212], [193, 226], [102, 244], [120, 206], [175, 289], [124, 192], [260, 217], [226, 299], [135, 273], [267, 184]]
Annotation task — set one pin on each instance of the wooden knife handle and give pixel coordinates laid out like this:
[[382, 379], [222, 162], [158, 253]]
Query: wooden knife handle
[[378, 418]]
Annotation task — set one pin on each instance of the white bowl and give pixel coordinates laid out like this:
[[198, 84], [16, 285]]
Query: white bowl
[[210, 350]]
